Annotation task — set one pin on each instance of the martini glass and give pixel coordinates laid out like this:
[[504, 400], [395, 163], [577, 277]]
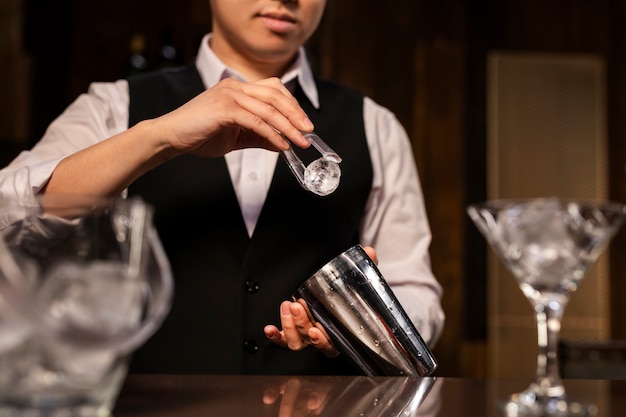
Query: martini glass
[[548, 244]]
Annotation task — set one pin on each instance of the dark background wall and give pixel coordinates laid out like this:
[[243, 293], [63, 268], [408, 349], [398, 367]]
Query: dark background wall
[[424, 60]]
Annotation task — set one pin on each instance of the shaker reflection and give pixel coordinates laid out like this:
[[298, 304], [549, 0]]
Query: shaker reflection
[[363, 396]]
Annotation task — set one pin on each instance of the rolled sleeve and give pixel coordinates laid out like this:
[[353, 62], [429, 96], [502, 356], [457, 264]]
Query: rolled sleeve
[[100, 113]]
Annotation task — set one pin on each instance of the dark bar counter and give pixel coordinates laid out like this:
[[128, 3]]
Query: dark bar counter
[[293, 396]]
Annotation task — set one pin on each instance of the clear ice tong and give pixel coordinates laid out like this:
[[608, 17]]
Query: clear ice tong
[[299, 170]]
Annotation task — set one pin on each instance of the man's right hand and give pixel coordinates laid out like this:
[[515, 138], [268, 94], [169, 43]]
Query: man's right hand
[[234, 115]]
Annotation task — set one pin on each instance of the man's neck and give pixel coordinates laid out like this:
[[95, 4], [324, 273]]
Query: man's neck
[[250, 68]]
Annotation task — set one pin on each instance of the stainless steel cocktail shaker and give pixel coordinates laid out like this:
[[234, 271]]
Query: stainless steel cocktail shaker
[[364, 319]]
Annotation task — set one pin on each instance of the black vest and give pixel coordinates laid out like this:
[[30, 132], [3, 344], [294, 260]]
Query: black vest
[[229, 286]]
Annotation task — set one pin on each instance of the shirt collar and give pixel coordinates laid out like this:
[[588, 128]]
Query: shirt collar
[[212, 70]]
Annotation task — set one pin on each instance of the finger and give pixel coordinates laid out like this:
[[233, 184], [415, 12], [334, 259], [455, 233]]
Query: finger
[[265, 121], [263, 116], [232, 114], [275, 82], [318, 399], [265, 108], [301, 320], [289, 403], [279, 99], [316, 402], [274, 335], [320, 340], [291, 333], [371, 252], [250, 139], [271, 394]]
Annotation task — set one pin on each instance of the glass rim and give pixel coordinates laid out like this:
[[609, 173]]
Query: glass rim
[[500, 203]]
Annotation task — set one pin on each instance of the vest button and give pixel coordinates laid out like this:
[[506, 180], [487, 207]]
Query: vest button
[[252, 286], [251, 346]]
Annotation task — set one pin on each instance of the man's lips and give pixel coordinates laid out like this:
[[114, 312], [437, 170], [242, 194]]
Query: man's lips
[[278, 22]]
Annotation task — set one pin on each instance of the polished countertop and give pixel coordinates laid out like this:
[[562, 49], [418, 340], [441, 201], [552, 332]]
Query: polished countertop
[[293, 396]]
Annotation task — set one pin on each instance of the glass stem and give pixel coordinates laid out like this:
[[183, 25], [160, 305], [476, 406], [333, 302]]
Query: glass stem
[[549, 312]]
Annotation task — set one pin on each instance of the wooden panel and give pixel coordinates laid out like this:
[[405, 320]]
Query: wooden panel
[[546, 137], [438, 147], [617, 143], [14, 78]]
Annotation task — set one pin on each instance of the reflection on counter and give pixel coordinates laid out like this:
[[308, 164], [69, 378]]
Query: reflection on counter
[[339, 396], [284, 396], [392, 397]]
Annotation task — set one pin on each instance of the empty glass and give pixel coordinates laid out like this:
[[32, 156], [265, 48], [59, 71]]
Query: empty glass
[[83, 283], [548, 244]]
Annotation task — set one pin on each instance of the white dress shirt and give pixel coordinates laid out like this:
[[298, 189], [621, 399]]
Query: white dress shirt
[[394, 223]]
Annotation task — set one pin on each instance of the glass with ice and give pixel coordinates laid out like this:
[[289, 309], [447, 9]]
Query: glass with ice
[[548, 244], [83, 284], [320, 176]]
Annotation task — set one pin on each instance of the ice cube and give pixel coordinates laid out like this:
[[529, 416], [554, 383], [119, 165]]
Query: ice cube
[[87, 366], [322, 176], [93, 301], [543, 243], [14, 329]]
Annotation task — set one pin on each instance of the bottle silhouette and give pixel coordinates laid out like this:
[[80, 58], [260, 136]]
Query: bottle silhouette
[[137, 63], [168, 55]]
